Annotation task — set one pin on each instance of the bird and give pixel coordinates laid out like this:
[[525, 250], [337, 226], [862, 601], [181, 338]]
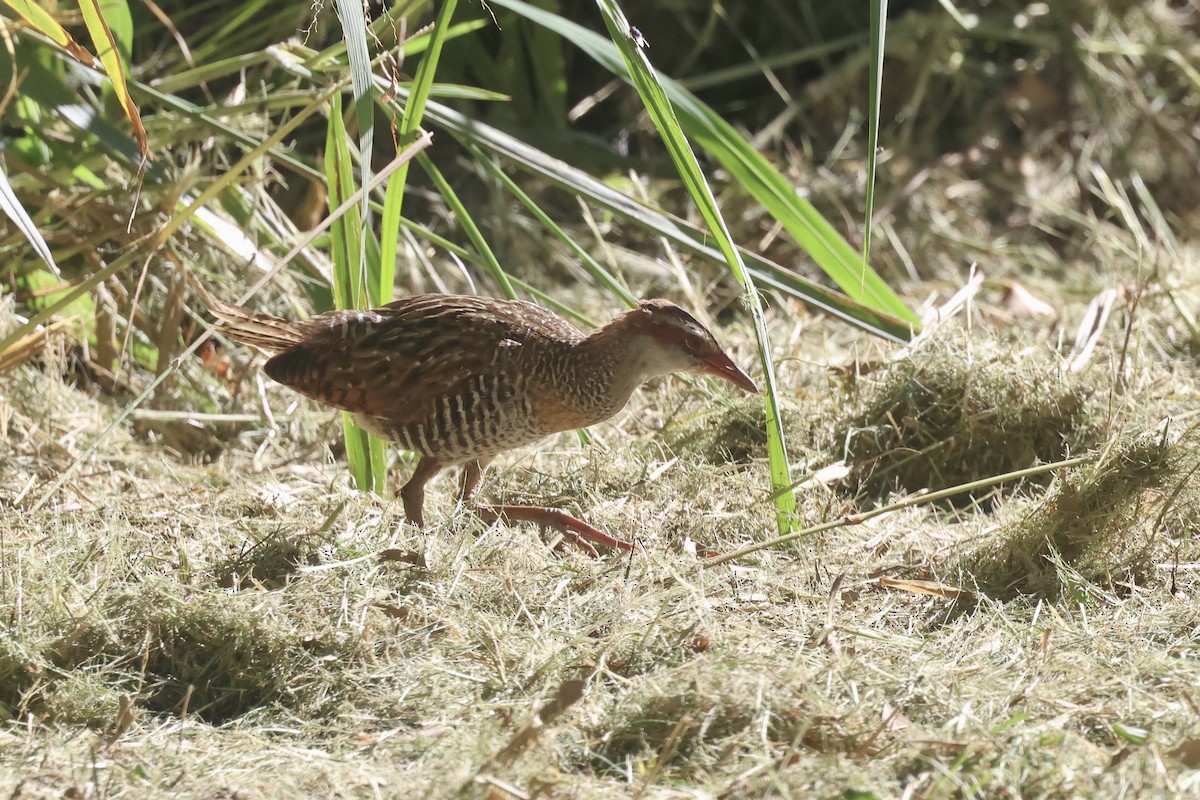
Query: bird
[[460, 379]]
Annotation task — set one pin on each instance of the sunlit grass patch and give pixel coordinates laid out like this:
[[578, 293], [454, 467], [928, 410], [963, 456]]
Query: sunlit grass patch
[[950, 413]]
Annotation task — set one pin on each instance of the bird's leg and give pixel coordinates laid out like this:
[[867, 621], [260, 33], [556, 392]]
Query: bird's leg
[[413, 492], [472, 474], [578, 531]]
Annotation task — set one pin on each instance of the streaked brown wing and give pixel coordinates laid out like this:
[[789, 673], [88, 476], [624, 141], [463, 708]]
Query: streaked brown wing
[[397, 361]]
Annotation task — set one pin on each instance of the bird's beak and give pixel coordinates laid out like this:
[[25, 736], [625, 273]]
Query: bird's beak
[[722, 366]]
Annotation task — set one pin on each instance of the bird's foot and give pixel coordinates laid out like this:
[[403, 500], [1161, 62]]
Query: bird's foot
[[581, 534]]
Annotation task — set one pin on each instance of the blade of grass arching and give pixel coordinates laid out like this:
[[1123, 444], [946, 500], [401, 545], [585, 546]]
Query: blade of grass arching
[[593, 266], [469, 227], [109, 52], [663, 115], [349, 289], [878, 32], [410, 123], [579, 183], [800, 219], [12, 208], [766, 272]]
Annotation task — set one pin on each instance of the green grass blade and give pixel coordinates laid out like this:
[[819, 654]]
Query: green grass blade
[[349, 289], [410, 123], [803, 222], [469, 227], [663, 115], [678, 232], [878, 32], [367, 454], [766, 272]]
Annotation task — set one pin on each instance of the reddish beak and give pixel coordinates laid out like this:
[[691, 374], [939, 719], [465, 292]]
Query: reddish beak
[[723, 367]]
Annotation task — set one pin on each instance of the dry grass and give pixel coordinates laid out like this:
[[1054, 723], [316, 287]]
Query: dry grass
[[948, 415], [205, 610], [254, 629]]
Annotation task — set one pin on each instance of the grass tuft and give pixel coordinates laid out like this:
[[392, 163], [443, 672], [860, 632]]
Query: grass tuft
[[947, 414], [211, 654], [1098, 524]]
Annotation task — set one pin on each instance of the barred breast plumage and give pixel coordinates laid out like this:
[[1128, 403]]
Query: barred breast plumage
[[460, 379]]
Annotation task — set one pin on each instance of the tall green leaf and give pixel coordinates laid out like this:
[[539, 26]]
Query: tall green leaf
[[800, 219], [366, 455], [673, 229], [878, 31], [661, 111], [410, 123]]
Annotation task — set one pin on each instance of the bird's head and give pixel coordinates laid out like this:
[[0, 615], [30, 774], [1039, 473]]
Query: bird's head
[[675, 341]]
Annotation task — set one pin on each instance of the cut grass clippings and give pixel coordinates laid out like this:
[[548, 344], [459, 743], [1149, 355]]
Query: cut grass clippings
[[220, 629], [945, 414]]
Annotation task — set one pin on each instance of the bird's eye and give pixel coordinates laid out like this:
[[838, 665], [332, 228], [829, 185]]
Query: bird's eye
[[694, 344]]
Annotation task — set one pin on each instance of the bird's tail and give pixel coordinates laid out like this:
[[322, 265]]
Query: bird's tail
[[268, 333]]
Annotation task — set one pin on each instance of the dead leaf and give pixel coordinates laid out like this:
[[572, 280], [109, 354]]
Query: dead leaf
[[414, 557], [926, 587], [1023, 303], [1187, 753]]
